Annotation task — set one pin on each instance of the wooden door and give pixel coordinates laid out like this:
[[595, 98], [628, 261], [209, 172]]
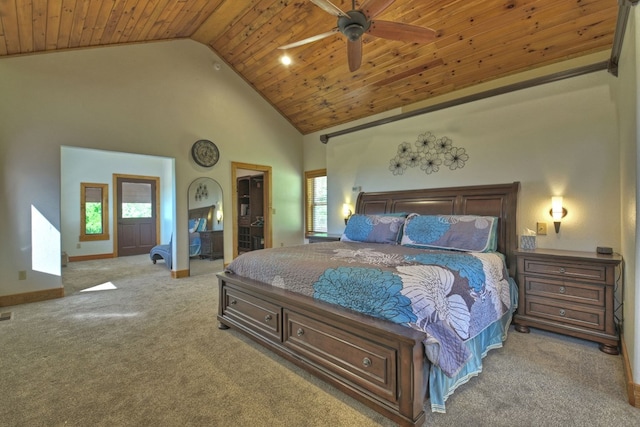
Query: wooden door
[[136, 215]]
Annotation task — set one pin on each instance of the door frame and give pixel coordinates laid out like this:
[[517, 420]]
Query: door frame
[[266, 171], [114, 187]]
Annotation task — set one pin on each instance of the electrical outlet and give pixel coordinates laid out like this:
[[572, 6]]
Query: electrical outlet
[[22, 275], [541, 228], [78, 246]]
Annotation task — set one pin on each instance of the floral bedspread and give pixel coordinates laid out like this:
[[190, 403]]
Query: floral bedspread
[[452, 296]]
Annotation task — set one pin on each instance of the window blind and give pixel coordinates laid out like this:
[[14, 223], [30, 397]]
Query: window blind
[[316, 202]]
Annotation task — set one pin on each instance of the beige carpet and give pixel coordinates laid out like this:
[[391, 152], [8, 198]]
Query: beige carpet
[[149, 353]]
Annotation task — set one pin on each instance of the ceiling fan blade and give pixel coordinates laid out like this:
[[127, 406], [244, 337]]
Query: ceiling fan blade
[[401, 32], [354, 54], [329, 7], [310, 39], [373, 8]]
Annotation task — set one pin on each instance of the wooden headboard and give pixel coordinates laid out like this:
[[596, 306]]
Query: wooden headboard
[[498, 200], [204, 212]]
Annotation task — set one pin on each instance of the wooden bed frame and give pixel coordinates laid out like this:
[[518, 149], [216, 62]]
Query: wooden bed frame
[[203, 212], [377, 362]]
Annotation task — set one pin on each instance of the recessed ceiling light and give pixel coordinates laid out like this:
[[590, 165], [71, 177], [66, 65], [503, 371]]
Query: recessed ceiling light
[[285, 59]]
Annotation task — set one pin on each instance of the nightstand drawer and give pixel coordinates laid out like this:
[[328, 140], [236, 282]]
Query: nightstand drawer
[[566, 269], [583, 316], [582, 293]]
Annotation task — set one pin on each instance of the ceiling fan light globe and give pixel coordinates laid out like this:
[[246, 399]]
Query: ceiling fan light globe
[[353, 32]]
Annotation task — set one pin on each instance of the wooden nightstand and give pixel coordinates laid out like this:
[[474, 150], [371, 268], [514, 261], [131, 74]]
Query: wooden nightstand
[[570, 293], [211, 244], [323, 237]]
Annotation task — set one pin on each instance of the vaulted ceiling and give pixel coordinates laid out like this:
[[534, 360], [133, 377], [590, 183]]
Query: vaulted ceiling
[[475, 41]]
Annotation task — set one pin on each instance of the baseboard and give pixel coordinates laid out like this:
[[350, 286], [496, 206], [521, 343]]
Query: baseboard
[[179, 274], [27, 297], [90, 257], [633, 389]]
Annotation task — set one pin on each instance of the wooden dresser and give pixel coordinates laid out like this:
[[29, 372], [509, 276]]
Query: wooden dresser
[[569, 292]]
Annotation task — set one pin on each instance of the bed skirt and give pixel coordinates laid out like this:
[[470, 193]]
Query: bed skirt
[[441, 386]]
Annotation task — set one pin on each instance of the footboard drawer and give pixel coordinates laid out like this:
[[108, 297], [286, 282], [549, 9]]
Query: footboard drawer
[[259, 315], [364, 363]]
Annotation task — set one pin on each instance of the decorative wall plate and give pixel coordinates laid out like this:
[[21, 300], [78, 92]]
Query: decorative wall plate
[[205, 153]]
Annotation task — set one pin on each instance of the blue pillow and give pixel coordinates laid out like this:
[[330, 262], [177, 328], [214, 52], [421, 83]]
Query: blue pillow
[[470, 233], [202, 225], [373, 228]]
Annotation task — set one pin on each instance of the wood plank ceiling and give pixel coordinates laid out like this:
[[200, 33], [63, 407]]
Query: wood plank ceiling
[[477, 41]]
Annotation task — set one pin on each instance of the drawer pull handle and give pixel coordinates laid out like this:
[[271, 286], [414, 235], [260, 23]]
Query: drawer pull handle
[[562, 312], [233, 302], [366, 362], [267, 318], [300, 332], [562, 270], [562, 290]]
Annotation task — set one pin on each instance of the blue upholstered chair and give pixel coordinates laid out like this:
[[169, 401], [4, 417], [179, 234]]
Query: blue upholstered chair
[[162, 252]]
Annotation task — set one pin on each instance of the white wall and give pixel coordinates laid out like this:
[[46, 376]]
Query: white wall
[[153, 98], [626, 91]]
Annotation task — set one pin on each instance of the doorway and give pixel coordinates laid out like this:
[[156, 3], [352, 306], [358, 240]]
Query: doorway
[[240, 169], [136, 214]]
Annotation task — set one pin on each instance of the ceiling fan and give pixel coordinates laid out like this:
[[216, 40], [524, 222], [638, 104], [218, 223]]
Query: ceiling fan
[[356, 22]]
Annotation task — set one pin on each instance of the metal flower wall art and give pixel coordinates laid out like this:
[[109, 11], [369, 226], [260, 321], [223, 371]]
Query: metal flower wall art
[[429, 153], [202, 192]]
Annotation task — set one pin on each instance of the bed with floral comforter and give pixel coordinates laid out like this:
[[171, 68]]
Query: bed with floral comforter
[[462, 300]]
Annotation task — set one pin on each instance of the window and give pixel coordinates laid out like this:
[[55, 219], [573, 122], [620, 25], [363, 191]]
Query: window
[[94, 212], [136, 200], [315, 201]]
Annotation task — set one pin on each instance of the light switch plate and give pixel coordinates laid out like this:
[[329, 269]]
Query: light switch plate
[[541, 228]]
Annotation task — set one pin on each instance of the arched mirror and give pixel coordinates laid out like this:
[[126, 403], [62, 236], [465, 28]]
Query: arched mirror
[[206, 224]]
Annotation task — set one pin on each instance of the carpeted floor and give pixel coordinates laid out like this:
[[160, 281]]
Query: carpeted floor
[[149, 353]]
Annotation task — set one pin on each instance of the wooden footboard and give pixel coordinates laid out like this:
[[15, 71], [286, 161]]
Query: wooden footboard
[[379, 363]]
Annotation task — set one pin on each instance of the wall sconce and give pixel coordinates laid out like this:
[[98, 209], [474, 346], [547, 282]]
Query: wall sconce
[[219, 216], [557, 212], [346, 212]]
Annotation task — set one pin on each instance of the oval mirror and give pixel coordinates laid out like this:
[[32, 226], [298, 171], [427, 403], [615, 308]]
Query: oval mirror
[[206, 224]]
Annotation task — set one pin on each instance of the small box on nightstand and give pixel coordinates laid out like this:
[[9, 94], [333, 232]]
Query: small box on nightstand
[[527, 243]]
